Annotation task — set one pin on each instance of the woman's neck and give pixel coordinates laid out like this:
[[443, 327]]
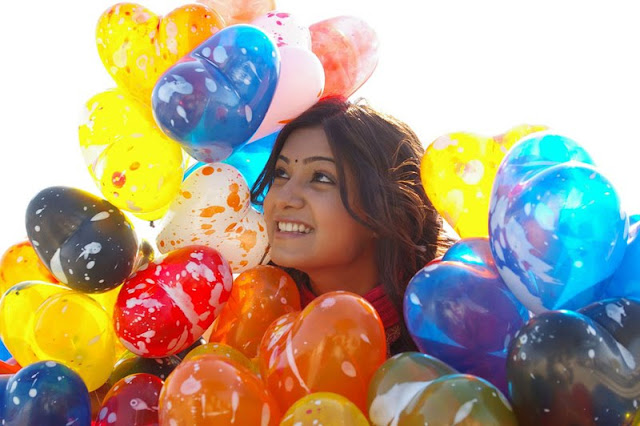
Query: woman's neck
[[357, 278]]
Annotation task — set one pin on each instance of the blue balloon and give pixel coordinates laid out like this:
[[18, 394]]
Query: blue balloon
[[459, 310], [4, 353], [625, 282], [556, 227], [214, 99], [45, 393]]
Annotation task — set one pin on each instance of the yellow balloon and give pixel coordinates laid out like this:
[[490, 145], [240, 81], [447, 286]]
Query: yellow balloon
[[136, 166], [324, 408], [136, 46], [21, 263], [458, 170], [225, 351], [41, 321]]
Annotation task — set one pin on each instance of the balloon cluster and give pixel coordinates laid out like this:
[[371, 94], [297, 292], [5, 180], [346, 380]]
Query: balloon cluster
[[545, 304]]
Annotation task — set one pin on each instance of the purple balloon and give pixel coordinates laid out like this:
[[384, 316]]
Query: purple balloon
[[459, 310]]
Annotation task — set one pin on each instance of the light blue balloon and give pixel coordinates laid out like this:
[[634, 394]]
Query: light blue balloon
[[556, 227], [4, 353], [214, 99], [625, 282]]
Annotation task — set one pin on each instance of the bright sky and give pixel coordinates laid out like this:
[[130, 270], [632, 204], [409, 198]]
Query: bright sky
[[479, 66]]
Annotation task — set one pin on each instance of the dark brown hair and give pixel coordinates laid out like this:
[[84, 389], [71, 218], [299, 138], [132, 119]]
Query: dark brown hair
[[383, 157]]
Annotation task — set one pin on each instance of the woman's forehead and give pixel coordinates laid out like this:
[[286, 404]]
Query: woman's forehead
[[306, 142]]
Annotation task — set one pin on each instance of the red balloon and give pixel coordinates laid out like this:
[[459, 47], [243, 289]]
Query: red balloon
[[166, 307], [334, 345], [132, 401], [348, 50]]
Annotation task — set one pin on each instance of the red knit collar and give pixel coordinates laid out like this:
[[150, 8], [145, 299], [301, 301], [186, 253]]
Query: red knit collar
[[378, 298]]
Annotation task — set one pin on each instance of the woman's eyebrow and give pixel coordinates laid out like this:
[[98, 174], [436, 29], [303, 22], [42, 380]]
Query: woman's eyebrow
[[317, 158]]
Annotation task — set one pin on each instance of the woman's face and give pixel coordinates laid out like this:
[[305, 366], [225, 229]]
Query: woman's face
[[309, 227]]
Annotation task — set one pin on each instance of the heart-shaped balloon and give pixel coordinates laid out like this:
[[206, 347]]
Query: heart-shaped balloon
[[41, 321], [457, 172], [164, 308], [131, 401], [214, 209], [215, 98], [259, 296], [324, 408], [300, 85], [240, 11], [348, 48], [556, 226], [284, 29], [21, 263], [335, 345], [414, 389], [45, 393], [85, 241], [136, 166], [460, 311], [211, 389], [136, 46], [578, 367]]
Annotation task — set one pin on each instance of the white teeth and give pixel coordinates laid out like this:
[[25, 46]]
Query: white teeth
[[293, 227]]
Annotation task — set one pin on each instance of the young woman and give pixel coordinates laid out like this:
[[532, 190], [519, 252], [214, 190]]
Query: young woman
[[346, 210]]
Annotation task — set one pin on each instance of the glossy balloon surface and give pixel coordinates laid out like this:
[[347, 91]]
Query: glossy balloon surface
[[324, 408], [556, 226], [86, 242], [132, 401], [21, 263]]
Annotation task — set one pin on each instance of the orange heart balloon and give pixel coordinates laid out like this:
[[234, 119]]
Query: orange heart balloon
[[334, 345], [240, 11], [136, 46], [258, 297], [212, 389], [458, 170]]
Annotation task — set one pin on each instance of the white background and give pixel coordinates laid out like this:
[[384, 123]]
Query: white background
[[478, 66]]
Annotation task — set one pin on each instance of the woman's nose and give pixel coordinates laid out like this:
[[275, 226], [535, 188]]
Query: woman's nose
[[290, 195]]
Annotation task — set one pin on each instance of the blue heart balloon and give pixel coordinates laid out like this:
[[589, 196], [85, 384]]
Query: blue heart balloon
[[44, 393], [459, 310], [556, 227], [215, 98]]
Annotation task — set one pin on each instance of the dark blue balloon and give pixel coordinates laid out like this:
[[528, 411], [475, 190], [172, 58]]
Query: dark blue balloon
[[214, 99], [459, 311], [556, 227], [46, 394]]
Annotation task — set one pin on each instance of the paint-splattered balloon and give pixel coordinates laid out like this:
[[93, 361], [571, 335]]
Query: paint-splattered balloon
[[132, 401], [85, 241], [21, 263], [166, 307], [44, 393]]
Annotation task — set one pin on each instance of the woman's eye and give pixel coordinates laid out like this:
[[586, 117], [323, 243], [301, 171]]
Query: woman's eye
[[280, 173], [322, 178]]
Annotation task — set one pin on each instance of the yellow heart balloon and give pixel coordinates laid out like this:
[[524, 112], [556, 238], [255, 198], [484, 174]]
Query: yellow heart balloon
[[458, 170], [136, 46], [136, 167]]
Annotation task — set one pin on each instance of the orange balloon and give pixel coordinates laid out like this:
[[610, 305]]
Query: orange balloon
[[21, 263], [334, 345], [211, 389], [240, 11], [259, 296], [137, 46]]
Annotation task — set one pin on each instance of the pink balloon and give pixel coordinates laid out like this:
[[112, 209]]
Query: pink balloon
[[284, 29], [300, 86], [348, 49]]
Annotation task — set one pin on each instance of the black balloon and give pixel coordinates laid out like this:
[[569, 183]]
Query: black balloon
[[132, 364], [85, 241], [578, 368]]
